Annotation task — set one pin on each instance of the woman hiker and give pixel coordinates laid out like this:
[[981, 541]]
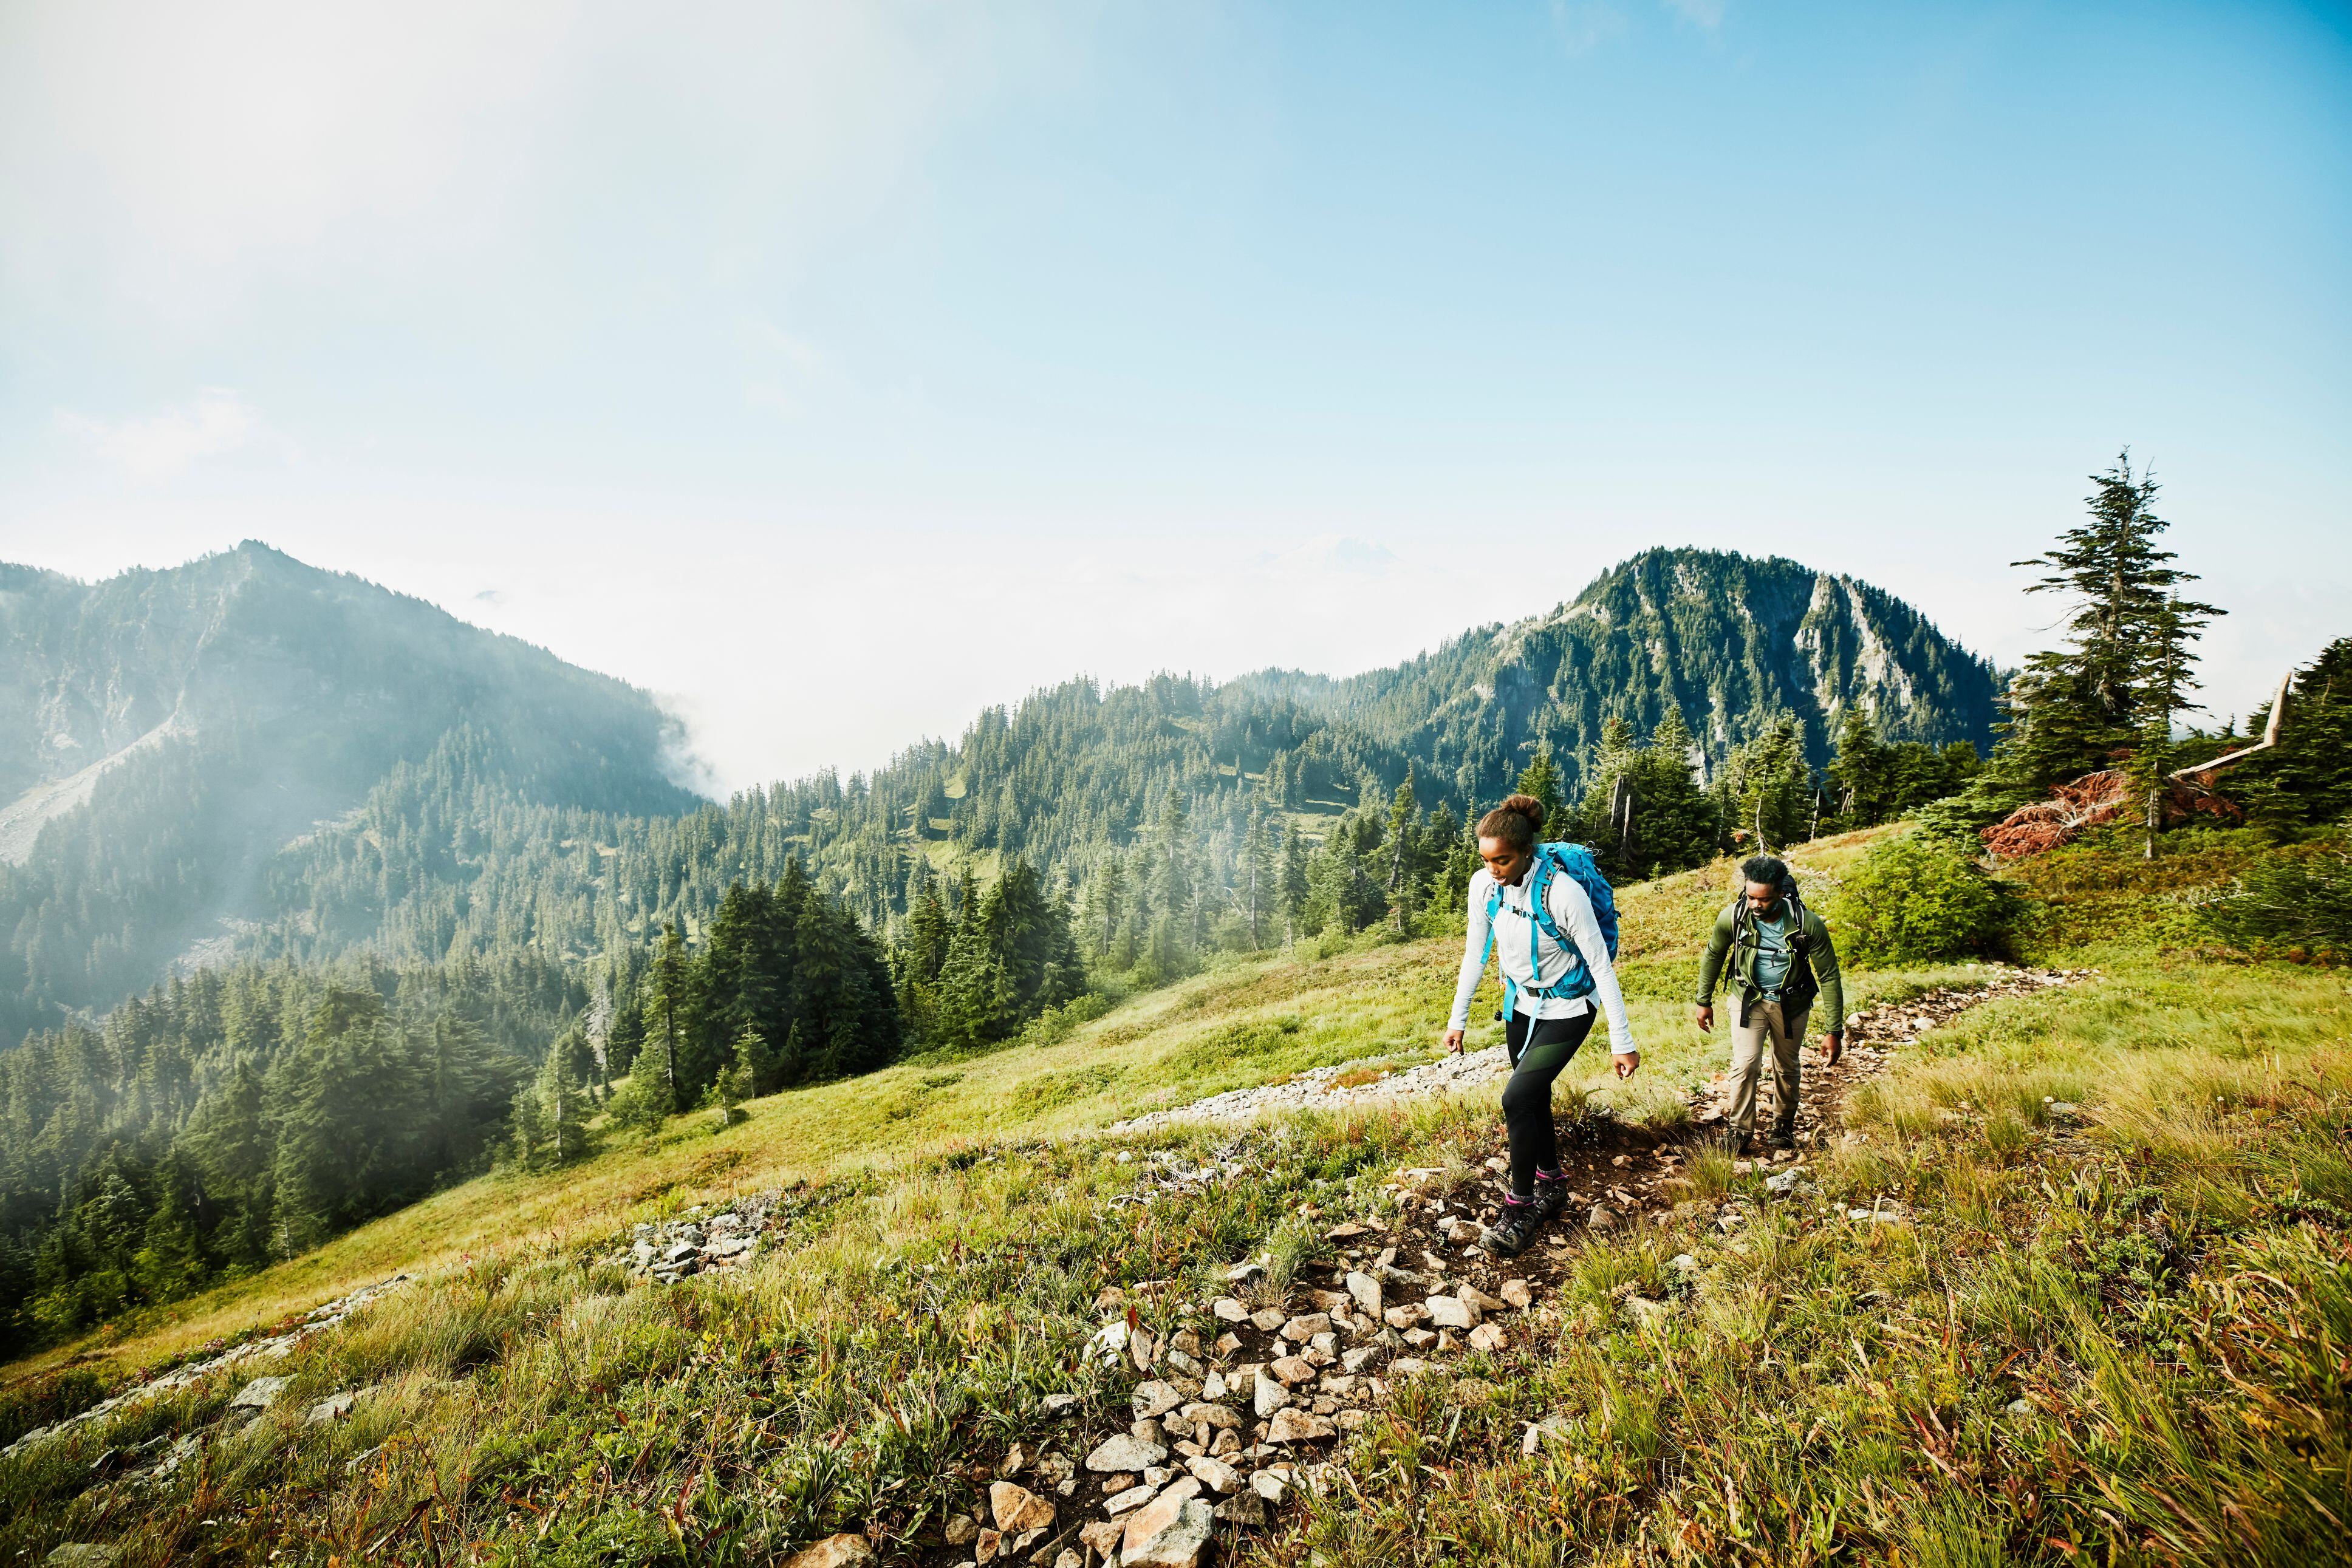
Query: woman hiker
[[1550, 986]]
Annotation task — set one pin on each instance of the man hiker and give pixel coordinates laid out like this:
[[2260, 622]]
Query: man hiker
[[1781, 963]]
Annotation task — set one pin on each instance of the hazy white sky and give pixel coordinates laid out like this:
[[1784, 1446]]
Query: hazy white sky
[[835, 369]]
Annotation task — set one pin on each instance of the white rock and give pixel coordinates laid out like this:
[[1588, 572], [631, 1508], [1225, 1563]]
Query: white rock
[[1128, 1500], [260, 1394], [1123, 1452], [1271, 1396], [333, 1407], [1154, 1398], [1452, 1313], [1366, 1292], [1215, 1474], [1182, 1541]]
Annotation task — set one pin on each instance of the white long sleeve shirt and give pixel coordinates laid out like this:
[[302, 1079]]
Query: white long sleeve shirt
[[1572, 912]]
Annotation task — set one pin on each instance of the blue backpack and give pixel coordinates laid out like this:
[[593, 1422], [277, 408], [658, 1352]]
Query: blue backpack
[[1551, 859]]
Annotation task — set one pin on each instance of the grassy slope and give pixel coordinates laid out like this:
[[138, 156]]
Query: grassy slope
[[2168, 1291]]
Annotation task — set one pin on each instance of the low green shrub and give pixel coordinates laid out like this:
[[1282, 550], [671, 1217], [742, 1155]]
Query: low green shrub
[[1913, 899]]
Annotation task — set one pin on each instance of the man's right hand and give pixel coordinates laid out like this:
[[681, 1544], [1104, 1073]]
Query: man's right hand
[[1453, 1040], [1705, 1019]]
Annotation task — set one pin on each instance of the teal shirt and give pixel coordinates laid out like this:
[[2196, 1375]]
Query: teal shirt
[[1772, 955]]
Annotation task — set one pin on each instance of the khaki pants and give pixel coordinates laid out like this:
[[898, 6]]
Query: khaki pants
[[1765, 1024]]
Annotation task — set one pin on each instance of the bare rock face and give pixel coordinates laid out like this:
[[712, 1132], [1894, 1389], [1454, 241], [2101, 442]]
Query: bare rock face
[[835, 1552]]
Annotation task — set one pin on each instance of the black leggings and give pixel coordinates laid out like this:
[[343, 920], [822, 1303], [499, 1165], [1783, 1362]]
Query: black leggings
[[1536, 1058]]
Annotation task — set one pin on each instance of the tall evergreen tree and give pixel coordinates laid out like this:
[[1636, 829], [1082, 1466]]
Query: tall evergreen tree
[[2080, 706]]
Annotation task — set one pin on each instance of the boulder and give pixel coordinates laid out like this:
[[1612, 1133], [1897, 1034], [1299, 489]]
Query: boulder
[[1016, 1510], [834, 1551], [1125, 1452], [1168, 1534]]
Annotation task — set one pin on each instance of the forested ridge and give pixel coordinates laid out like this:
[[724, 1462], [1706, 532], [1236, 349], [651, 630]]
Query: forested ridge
[[494, 951]]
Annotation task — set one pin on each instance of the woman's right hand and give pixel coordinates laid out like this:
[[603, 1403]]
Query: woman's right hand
[[1453, 1040]]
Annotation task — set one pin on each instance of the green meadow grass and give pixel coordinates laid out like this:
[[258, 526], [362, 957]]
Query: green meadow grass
[[2118, 1336]]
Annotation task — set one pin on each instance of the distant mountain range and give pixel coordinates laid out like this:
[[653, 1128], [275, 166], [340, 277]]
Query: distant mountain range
[[164, 733], [246, 755]]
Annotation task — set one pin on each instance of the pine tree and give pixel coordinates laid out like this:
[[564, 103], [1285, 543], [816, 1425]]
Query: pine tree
[[2076, 708], [1260, 875], [2307, 777], [1767, 791], [1403, 853], [1862, 773], [1296, 888], [668, 1006]]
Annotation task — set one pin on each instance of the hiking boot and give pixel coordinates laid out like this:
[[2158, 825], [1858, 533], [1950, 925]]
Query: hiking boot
[[1784, 1136], [1551, 1197], [1739, 1145], [1509, 1236]]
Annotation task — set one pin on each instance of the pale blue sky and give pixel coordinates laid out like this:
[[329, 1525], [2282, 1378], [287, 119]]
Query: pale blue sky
[[835, 368]]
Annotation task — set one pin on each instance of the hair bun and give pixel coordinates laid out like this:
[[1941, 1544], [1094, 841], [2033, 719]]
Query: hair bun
[[1526, 806]]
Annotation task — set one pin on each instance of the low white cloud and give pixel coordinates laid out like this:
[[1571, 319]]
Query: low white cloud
[[214, 423], [1584, 25], [1704, 14]]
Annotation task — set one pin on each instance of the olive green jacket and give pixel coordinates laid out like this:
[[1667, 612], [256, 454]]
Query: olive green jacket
[[1813, 968]]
